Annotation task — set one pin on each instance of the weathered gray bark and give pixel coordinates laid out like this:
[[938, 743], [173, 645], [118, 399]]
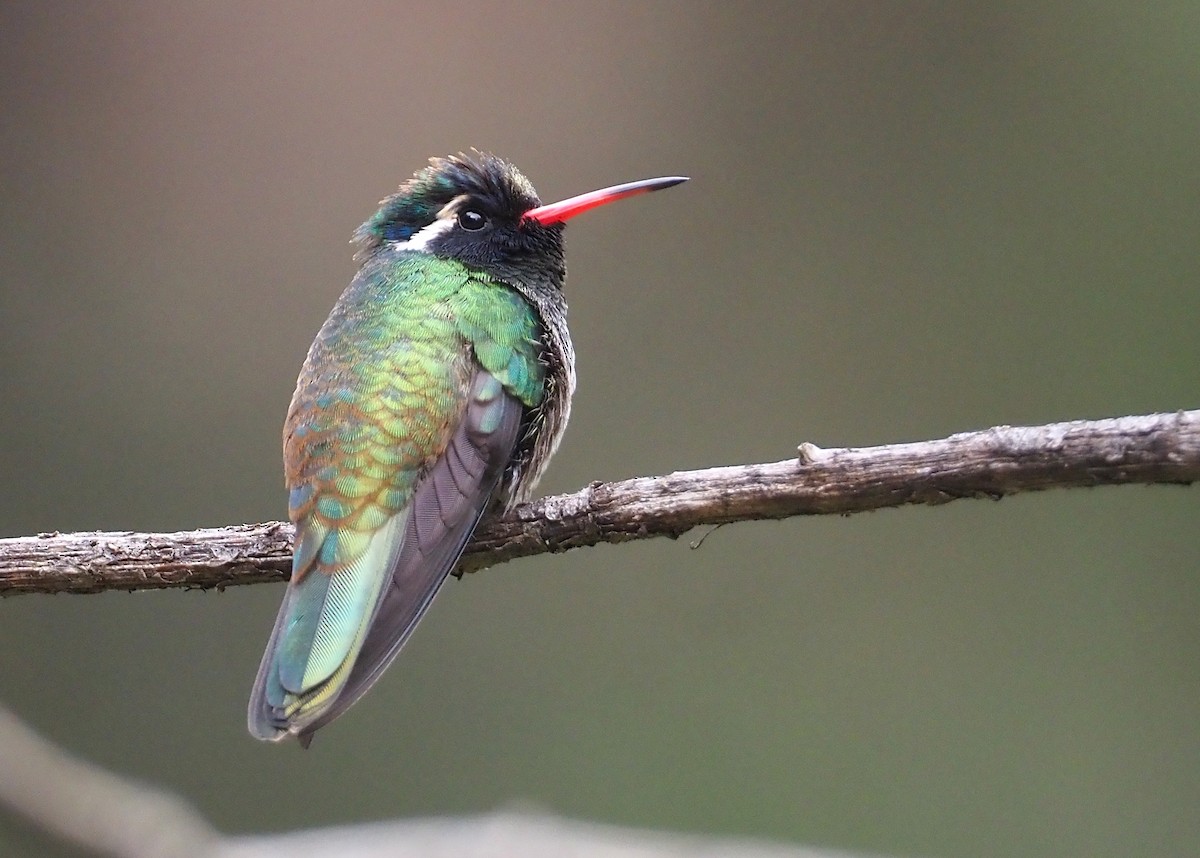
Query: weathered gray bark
[[994, 463]]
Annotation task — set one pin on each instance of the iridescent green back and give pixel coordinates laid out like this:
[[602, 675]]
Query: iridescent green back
[[386, 377], [384, 389]]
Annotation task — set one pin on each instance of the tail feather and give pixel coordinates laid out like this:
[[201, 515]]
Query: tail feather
[[318, 632], [336, 633], [447, 505]]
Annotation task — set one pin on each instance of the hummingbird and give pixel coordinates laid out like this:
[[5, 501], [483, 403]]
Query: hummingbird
[[436, 391]]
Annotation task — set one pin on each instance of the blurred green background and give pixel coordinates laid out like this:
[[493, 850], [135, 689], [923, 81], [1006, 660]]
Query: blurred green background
[[905, 220]]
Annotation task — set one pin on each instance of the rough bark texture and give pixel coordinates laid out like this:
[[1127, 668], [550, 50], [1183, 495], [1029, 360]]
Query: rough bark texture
[[994, 463]]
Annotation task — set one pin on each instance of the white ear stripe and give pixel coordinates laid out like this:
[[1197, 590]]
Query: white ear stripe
[[421, 238]]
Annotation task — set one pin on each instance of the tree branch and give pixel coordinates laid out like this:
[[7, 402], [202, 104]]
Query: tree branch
[[994, 463]]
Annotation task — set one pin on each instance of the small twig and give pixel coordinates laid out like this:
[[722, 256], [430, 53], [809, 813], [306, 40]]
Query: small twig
[[696, 543], [994, 463]]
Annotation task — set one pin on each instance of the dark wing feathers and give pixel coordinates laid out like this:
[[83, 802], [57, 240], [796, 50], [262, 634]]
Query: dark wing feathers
[[446, 506]]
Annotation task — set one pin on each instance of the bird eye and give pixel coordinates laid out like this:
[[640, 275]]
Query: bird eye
[[471, 220]]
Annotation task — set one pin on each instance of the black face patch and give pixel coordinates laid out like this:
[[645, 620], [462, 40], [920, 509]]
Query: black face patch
[[490, 182], [505, 247], [485, 227]]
